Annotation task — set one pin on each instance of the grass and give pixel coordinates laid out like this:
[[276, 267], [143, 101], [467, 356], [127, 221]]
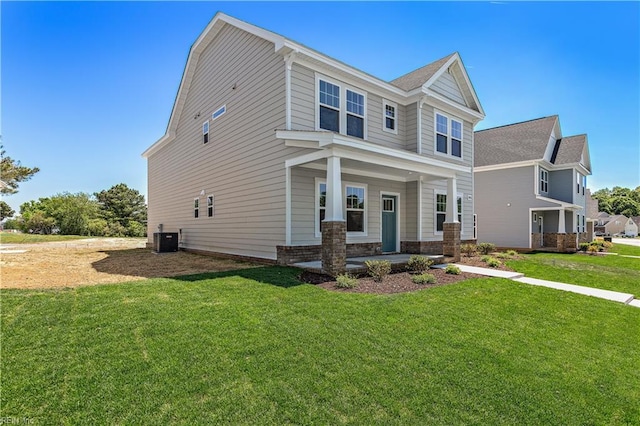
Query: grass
[[255, 346], [608, 272], [17, 238], [625, 249]]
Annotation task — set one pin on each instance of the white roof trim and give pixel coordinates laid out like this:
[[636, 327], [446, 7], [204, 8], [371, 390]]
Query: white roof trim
[[562, 204], [542, 163]]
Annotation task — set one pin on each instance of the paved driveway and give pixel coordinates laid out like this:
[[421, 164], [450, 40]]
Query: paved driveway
[[627, 241]]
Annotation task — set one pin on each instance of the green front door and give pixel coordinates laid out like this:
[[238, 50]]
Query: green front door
[[389, 224]]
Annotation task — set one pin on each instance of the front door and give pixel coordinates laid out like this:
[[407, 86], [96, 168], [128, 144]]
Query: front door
[[541, 230], [389, 224]]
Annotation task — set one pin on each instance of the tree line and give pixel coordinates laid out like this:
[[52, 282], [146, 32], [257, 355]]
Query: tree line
[[116, 212], [619, 200]]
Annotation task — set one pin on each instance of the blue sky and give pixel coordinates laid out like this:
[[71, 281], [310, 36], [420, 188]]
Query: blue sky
[[88, 86]]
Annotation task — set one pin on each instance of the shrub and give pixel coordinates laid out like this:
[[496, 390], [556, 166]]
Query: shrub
[[493, 262], [512, 253], [469, 249], [424, 279], [503, 256], [607, 245], [486, 248], [452, 269], [583, 246], [346, 281], [592, 249], [378, 269], [419, 263], [486, 258]]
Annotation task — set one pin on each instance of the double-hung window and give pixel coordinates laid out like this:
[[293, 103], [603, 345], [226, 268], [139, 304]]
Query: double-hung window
[[544, 180], [340, 109], [578, 180], [210, 206], [354, 206], [389, 111], [196, 207], [205, 132], [448, 136], [441, 210]]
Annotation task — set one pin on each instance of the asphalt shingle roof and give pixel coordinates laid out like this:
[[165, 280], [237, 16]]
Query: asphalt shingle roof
[[514, 142], [570, 150], [417, 78]]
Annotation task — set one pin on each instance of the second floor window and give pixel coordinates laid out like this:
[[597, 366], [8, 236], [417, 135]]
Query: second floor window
[[544, 180], [448, 136], [196, 207], [341, 110], [389, 117], [205, 132]]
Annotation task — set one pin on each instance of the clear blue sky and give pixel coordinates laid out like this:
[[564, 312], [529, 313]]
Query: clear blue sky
[[88, 86]]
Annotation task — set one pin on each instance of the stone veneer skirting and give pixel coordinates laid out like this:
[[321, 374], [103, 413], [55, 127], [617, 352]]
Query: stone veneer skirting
[[334, 247], [562, 242], [451, 240], [293, 254]]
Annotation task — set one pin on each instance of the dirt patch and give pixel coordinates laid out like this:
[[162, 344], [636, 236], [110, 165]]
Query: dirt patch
[[100, 261]]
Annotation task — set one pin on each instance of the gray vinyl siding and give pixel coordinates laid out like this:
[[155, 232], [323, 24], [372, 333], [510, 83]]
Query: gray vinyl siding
[[411, 121], [502, 202], [242, 166], [464, 183], [446, 85], [375, 121], [303, 208], [562, 185], [303, 86], [411, 210], [429, 135]]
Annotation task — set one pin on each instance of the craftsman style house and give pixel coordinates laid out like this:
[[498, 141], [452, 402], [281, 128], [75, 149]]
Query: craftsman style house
[[276, 151], [530, 185]]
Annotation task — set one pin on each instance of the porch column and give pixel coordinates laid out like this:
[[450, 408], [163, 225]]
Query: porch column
[[334, 227], [560, 244], [451, 226]]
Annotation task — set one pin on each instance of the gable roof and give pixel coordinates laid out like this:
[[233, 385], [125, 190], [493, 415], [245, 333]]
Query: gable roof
[[530, 141], [417, 78], [636, 219], [513, 143], [284, 46]]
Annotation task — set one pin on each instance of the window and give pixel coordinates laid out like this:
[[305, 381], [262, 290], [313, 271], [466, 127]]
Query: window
[[584, 183], [388, 205], [329, 106], [196, 207], [441, 211], [205, 132], [584, 224], [354, 206], [219, 112], [544, 180], [389, 119], [535, 217], [340, 109], [210, 206], [578, 180], [448, 136]]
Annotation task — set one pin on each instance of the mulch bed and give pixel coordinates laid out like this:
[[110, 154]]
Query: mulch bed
[[398, 282]]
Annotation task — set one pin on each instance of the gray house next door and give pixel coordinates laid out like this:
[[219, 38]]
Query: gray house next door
[[389, 223]]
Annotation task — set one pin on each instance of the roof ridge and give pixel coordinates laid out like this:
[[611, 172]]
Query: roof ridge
[[515, 124]]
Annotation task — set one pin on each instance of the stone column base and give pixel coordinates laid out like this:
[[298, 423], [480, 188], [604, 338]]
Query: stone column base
[[451, 240], [334, 248]]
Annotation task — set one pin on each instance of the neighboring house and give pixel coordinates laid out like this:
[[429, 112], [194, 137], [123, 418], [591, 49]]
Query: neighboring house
[[636, 219], [610, 224], [276, 151], [630, 228], [530, 185]]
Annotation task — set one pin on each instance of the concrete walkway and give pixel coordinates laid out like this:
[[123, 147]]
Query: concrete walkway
[[615, 296]]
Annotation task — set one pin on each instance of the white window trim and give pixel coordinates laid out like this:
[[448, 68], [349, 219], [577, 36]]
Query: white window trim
[[219, 112], [316, 207], [459, 195], [206, 123], [384, 116], [343, 87], [449, 118], [212, 206], [541, 172], [196, 207]]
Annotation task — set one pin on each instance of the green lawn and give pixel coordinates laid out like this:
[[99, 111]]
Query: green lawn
[[625, 249], [14, 238], [608, 272], [256, 347]]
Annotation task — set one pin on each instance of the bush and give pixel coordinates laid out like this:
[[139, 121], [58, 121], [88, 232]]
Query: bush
[[469, 249], [592, 249], [512, 253], [346, 281], [503, 256], [493, 262], [452, 269], [378, 269], [418, 263], [486, 248], [423, 279], [485, 258], [606, 245], [583, 246]]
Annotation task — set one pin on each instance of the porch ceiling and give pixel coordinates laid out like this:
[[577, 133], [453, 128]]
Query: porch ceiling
[[365, 158]]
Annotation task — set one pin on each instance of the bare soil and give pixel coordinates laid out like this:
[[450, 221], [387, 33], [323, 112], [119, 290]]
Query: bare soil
[[99, 261]]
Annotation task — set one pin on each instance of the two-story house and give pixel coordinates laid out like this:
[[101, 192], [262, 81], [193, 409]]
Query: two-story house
[[276, 151], [530, 185]]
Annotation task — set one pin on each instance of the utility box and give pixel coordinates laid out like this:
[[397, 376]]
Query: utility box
[[165, 242]]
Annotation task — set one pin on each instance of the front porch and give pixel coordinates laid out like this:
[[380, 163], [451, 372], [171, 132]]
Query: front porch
[[557, 229], [356, 265]]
